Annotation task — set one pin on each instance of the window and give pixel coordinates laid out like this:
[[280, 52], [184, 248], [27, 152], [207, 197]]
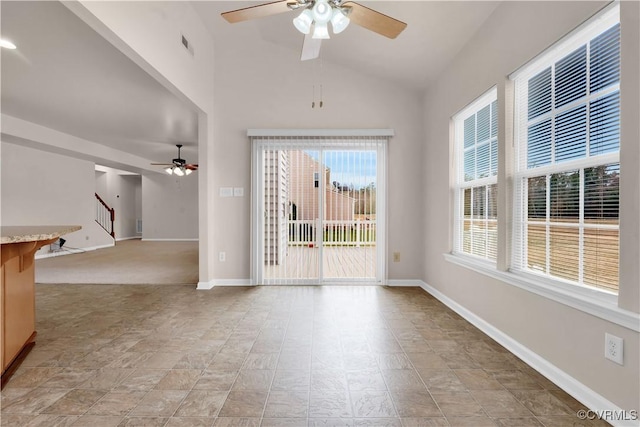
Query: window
[[476, 198], [567, 159]]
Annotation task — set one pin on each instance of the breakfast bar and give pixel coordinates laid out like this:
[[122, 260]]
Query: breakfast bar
[[17, 295]]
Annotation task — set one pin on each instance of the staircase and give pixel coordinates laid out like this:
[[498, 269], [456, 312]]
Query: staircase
[[105, 216]]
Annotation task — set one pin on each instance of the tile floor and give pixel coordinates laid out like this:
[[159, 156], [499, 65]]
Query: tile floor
[[114, 355]]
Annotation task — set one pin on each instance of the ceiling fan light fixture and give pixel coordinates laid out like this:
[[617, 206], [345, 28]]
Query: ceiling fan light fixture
[[339, 21], [322, 12], [7, 44], [303, 21], [320, 31], [178, 166]]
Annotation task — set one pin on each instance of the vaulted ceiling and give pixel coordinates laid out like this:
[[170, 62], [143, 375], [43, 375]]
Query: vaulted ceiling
[[436, 31], [67, 77]]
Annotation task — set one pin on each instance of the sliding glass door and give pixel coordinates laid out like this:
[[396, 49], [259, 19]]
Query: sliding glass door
[[350, 214], [319, 210]]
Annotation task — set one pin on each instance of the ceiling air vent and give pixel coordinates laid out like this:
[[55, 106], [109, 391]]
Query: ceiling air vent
[[186, 44]]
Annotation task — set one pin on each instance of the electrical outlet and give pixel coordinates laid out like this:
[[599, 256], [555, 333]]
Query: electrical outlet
[[396, 257], [614, 348], [222, 256]]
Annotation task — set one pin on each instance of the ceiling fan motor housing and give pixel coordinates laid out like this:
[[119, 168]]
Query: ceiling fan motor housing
[[179, 165]]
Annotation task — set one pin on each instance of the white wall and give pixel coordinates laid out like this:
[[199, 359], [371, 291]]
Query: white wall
[[169, 207], [260, 87], [40, 188], [568, 338]]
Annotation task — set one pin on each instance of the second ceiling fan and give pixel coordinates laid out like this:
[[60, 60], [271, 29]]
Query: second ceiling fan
[[178, 166], [315, 17]]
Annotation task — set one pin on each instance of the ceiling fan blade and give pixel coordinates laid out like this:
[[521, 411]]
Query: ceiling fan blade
[[161, 164], [374, 21], [310, 48], [259, 11], [192, 167]]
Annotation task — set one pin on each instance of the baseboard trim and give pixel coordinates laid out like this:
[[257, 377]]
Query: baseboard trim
[[72, 251], [169, 240], [410, 283], [204, 286], [215, 283], [128, 238], [585, 395], [232, 282]]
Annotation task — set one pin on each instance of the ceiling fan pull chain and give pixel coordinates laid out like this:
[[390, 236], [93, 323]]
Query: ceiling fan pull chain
[[321, 78], [313, 99]]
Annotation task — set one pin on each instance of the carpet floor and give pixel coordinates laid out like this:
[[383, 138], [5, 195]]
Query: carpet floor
[[128, 262]]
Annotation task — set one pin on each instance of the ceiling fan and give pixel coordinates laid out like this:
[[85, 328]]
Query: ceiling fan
[[179, 166], [315, 17]]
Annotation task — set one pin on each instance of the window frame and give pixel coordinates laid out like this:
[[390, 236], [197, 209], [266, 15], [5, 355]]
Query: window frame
[[460, 184], [522, 172], [589, 300]]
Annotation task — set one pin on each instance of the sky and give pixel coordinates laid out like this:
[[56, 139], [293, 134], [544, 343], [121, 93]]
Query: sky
[[350, 167]]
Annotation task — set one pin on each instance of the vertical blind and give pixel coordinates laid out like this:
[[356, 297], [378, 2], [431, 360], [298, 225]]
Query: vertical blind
[[321, 213], [566, 210], [476, 189]]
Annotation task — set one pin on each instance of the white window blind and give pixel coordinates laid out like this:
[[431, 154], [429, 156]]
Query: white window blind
[[476, 190], [567, 158]]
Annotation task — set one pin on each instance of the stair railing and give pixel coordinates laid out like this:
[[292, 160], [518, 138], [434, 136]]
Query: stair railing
[[105, 216]]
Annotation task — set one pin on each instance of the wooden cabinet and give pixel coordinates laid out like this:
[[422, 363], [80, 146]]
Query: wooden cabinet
[[17, 290], [18, 309]]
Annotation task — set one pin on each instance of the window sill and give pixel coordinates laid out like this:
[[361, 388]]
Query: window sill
[[594, 302]]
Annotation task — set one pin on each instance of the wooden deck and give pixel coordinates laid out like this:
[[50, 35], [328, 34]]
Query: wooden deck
[[340, 262]]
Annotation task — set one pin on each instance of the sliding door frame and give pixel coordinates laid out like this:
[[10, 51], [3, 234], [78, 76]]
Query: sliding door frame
[[320, 139]]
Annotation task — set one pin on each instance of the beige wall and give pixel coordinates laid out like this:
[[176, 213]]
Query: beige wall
[[271, 88], [630, 158], [169, 207], [568, 338]]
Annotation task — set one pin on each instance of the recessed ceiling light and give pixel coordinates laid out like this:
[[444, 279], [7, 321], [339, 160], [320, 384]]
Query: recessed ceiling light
[[7, 44]]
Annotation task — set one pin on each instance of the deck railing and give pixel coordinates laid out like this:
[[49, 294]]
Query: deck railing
[[335, 233]]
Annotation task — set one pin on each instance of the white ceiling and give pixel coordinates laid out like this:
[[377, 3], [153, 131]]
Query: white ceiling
[[436, 31], [66, 77]]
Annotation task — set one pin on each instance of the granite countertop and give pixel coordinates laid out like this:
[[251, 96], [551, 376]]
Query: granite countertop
[[33, 233]]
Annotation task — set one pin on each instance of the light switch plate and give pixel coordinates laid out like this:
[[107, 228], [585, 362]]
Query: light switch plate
[[226, 192], [238, 192]]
